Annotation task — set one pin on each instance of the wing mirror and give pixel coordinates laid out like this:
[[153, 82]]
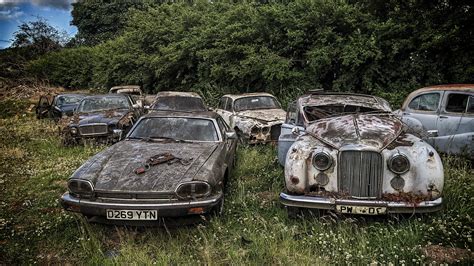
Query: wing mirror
[[296, 131], [432, 133], [231, 135], [136, 106]]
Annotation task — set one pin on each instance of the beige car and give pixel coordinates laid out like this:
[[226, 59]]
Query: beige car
[[256, 117]]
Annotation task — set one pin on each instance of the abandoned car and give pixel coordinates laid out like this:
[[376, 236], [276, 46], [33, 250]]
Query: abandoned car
[[135, 91], [355, 157], [445, 115], [103, 118], [256, 117], [170, 164], [179, 101], [59, 106]]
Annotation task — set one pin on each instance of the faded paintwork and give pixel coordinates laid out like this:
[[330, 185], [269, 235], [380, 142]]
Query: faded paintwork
[[382, 133], [113, 177], [449, 132], [253, 126]]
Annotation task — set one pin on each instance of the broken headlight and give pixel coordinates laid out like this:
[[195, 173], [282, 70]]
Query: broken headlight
[[81, 188], [193, 189], [399, 164], [322, 161], [255, 130]]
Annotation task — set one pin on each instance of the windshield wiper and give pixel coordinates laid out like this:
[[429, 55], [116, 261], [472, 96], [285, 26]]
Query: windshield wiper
[[169, 138]]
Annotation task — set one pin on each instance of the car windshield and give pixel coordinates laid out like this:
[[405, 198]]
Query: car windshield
[[102, 103], [314, 113], [68, 99], [179, 103], [254, 103], [175, 128]]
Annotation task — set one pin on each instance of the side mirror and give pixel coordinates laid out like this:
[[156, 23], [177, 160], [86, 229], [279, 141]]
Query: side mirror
[[432, 133], [147, 107], [231, 135], [118, 133], [296, 131], [136, 106]]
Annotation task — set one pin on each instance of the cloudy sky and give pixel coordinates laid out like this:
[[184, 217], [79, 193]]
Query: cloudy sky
[[14, 12]]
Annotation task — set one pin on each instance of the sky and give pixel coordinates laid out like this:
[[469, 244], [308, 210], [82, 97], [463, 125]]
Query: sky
[[57, 13]]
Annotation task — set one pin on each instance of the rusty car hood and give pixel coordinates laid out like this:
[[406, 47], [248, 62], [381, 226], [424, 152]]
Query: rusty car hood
[[374, 130], [114, 168], [266, 115], [108, 117]]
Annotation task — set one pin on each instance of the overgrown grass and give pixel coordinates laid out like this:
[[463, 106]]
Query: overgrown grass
[[254, 228]]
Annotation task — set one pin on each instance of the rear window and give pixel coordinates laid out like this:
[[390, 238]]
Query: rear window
[[457, 103], [179, 103]]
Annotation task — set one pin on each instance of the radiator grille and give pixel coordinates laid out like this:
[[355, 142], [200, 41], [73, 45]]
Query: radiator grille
[[360, 174], [91, 130], [275, 132]]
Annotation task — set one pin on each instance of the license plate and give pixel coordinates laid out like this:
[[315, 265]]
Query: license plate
[[361, 209], [132, 214]]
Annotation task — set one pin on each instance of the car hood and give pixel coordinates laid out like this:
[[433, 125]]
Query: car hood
[[114, 168], [108, 117], [375, 130], [264, 115]]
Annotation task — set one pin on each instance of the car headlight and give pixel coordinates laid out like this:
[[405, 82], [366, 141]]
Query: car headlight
[[193, 189], [73, 130], [255, 130], [322, 161], [82, 188], [399, 164], [265, 130]]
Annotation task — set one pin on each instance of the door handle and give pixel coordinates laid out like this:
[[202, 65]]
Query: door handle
[[443, 116]]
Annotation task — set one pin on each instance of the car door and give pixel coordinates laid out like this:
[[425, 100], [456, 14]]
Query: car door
[[230, 144], [287, 137], [455, 123], [425, 109], [43, 107], [225, 110]]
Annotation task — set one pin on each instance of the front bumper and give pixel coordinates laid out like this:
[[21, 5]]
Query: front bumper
[[165, 209], [314, 202]]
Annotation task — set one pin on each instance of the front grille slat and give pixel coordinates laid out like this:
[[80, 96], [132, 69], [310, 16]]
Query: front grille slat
[[91, 130], [360, 174]]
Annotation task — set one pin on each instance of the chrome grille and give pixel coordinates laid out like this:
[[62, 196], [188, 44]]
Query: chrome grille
[[360, 174], [93, 129]]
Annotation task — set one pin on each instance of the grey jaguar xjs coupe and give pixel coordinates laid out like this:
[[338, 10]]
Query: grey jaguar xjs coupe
[[170, 164]]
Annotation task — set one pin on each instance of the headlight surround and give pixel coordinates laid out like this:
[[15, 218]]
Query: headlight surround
[[82, 188], [193, 189], [322, 161], [399, 163]]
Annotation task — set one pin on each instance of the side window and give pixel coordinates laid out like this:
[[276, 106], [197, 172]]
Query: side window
[[222, 125], [292, 114], [425, 102], [228, 106], [470, 105], [457, 103], [222, 103]]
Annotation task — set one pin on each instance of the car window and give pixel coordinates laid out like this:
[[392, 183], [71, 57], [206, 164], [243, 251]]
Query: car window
[[222, 103], [470, 105], [425, 102], [102, 103], [68, 99], [255, 103], [182, 103], [178, 128], [457, 103], [292, 114], [222, 125], [228, 105]]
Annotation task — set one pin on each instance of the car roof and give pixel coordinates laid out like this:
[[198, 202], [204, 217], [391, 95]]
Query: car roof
[[251, 94], [125, 87], [195, 114], [447, 87], [177, 94], [108, 95], [320, 98], [72, 94]]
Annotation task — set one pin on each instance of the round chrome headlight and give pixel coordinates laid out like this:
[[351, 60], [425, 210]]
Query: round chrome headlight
[[80, 187], [193, 189], [322, 161], [73, 130], [399, 164]]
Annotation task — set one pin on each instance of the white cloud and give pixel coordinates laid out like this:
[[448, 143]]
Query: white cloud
[[10, 12], [59, 4]]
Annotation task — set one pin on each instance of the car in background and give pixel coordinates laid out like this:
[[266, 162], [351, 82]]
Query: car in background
[[102, 118], [57, 107], [256, 117], [135, 91], [170, 164], [321, 104], [444, 116], [178, 101], [356, 157]]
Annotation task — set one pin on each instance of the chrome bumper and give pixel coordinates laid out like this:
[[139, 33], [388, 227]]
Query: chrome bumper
[[165, 209], [314, 202]]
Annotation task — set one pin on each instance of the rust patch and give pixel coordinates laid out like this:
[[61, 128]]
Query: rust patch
[[408, 197], [400, 141], [329, 194]]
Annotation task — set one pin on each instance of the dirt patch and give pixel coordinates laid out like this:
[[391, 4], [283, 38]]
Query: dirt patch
[[28, 92], [441, 254]]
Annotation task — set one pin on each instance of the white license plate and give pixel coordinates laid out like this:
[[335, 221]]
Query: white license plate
[[132, 214], [361, 209]]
